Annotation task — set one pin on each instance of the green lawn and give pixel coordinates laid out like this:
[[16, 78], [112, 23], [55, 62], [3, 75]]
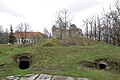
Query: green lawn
[[60, 59]]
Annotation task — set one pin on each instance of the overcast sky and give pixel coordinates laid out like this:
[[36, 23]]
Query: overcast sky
[[42, 13]]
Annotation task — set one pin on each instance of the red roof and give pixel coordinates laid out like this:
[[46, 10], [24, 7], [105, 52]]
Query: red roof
[[28, 34]]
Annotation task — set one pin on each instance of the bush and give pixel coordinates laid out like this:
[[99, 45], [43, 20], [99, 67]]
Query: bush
[[50, 43]]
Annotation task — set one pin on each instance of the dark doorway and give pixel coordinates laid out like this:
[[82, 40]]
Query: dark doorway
[[102, 66], [24, 62]]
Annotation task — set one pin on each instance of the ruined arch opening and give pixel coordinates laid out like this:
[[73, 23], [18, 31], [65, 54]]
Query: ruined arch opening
[[102, 66], [24, 62]]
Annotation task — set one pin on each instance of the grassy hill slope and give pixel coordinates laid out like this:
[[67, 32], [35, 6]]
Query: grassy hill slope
[[62, 57]]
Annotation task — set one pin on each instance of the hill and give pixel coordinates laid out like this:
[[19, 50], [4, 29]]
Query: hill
[[76, 57]]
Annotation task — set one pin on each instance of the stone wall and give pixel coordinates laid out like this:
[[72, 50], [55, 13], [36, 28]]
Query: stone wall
[[41, 77], [73, 31]]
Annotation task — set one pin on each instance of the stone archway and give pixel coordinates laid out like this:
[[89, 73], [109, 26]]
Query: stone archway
[[24, 62]]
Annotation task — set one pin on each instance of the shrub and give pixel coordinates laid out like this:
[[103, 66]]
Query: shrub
[[50, 43]]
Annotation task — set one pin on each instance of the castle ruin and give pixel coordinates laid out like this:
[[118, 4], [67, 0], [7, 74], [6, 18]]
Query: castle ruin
[[73, 31]]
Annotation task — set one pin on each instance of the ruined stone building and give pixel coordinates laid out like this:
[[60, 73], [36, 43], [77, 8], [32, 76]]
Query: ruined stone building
[[73, 31]]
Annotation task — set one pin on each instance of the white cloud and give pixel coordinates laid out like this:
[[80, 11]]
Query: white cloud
[[41, 13]]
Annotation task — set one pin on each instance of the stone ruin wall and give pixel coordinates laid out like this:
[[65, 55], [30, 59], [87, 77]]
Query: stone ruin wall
[[73, 31]]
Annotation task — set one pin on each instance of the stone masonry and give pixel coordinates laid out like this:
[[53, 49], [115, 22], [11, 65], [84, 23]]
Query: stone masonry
[[41, 77], [73, 31]]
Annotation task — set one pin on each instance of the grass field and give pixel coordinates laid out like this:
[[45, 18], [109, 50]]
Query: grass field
[[60, 58]]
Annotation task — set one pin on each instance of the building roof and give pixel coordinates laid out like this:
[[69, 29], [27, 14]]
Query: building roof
[[19, 35]]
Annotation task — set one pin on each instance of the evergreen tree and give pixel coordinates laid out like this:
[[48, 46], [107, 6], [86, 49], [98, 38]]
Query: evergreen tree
[[11, 36]]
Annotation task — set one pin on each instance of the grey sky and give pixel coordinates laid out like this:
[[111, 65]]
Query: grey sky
[[41, 13]]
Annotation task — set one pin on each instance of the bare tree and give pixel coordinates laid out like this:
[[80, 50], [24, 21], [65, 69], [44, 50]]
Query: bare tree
[[1, 34], [106, 28], [110, 27], [86, 27], [99, 29], [95, 28], [64, 17], [23, 28], [6, 35], [1, 31], [113, 20], [47, 33], [91, 26]]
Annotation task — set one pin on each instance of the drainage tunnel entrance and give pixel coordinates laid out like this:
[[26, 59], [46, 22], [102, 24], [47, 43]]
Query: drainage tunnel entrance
[[102, 66], [24, 62]]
